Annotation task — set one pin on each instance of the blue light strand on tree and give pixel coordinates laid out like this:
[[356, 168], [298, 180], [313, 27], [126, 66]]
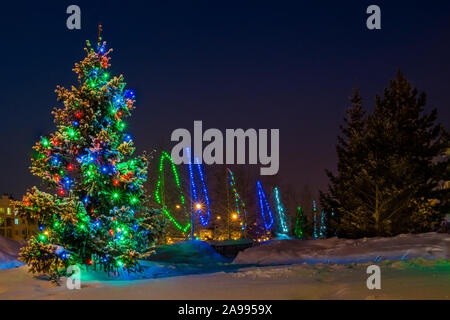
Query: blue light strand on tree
[[315, 219], [264, 203], [197, 196], [323, 227], [281, 212], [205, 222]]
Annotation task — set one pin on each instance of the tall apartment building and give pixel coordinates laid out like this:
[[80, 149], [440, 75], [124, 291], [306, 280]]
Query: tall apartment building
[[11, 225]]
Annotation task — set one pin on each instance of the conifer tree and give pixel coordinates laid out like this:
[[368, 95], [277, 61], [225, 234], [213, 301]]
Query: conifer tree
[[97, 214], [390, 166], [351, 151], [300, 223]]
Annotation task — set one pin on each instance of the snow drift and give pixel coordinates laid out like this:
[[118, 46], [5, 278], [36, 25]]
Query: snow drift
[[402, 247], [9, 252]]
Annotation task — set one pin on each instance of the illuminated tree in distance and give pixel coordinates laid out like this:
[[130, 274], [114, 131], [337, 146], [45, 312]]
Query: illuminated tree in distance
[[282, 221], [316, 228], [323, 227], [241, 210], [266, 212], [300, 223], [199, 193], [160, 191]]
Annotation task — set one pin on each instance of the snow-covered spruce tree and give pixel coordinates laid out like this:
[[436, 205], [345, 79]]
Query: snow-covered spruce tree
[[97, 215]]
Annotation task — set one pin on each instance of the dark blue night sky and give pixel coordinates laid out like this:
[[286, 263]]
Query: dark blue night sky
[[232, 64]]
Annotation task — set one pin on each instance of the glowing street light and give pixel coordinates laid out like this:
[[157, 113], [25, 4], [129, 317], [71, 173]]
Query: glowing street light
[[198, 206], [234, 216]]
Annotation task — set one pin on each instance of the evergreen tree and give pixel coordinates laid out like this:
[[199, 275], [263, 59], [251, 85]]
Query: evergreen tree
[[300, 223], [306, 201], [351, 151], [390, 164], [280, 214], [97, 215], [323, 225]]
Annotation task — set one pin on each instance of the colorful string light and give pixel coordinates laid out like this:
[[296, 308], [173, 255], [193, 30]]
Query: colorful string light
[[241, 211]]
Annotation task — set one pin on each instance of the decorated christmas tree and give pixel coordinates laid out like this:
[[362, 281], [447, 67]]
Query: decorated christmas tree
[[95, 212]]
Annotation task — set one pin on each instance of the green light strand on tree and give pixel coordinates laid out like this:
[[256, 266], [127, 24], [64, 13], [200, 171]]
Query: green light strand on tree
[[300, 223], [160, 187]]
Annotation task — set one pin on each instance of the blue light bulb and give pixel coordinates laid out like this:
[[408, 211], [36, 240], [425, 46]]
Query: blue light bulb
[[129, 94]]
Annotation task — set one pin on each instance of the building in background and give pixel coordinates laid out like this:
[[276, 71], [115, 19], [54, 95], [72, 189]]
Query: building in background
[[12, 226]]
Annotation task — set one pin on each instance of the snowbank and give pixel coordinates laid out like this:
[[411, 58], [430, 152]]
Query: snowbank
[[182, 258], [9, 252], [403, 247]]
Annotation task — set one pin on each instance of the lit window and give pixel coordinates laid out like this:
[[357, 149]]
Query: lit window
[[2, 210], [8, 210], [16, 221]]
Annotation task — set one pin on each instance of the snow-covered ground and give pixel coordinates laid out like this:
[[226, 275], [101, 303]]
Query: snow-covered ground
[[191, 270], [9, 250], [417, 279]]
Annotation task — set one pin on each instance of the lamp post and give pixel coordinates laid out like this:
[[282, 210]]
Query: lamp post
[[198, 208]]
